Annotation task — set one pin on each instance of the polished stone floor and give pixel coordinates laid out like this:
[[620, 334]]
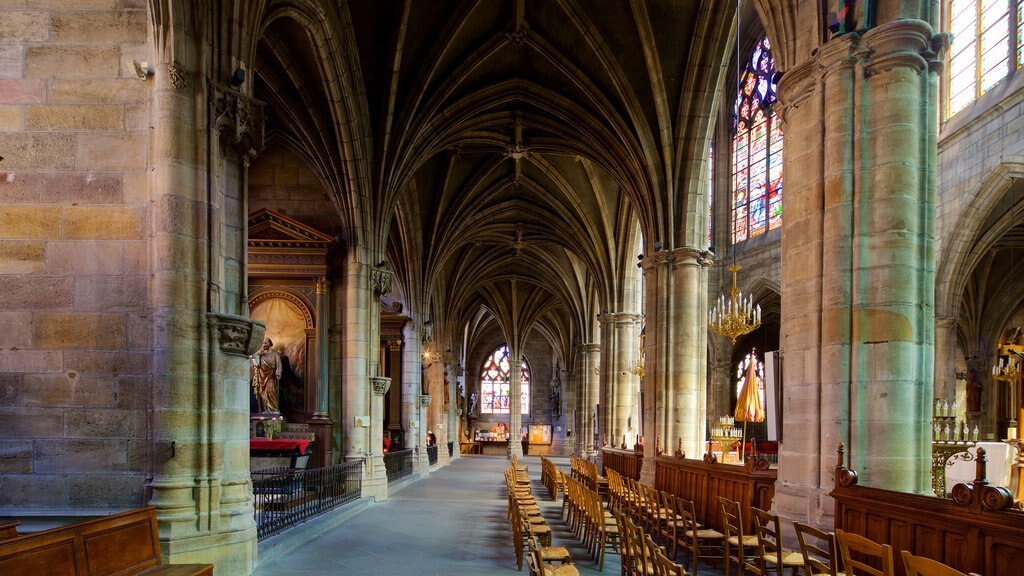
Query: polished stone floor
[[451, 523]]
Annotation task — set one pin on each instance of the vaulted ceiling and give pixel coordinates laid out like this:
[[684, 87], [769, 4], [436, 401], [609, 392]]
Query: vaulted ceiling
[[503, 151]]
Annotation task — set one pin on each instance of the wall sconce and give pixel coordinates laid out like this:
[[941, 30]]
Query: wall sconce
[[429, 357]]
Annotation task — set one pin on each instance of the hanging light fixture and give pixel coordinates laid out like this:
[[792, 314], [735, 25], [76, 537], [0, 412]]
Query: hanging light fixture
[[737, 315]]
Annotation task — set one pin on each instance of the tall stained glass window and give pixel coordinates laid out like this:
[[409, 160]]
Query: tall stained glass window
[[756, 149], [494, 384], [981, 54]]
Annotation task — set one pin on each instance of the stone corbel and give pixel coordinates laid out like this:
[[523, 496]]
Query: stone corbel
[[380, 385], [239, 121], [425, 400], [381, 280], [237, 335]]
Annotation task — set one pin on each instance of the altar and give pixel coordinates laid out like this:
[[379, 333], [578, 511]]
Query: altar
[[279, 453]]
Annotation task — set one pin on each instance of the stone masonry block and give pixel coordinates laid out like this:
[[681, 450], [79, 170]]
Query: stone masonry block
[[75, 117], [23, 27], [19, 187], [71, 62], [104, 223], [23, 422], [79, 331], [37, 151], [15, 456], [110, 293], [97, 91], [136, 256], [100, 27], [97, 423], [102, 362], [80, 456], [135, 187], [32, 491], [35, 293], [18, 91], [23, 221], [79, 188], [117, 151], [22, 256], [131, 392], [74, 4], [67, 389], [80, 258], [12, 118], [30, 360], [106, 491], [17, 329], [11, 61], [140, 331]]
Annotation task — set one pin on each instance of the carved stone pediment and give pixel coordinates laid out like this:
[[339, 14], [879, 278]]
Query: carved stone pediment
[[280, 246]]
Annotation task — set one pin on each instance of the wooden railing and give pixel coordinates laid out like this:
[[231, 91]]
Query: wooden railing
[[625, 462], [752, 485], [975, 531]]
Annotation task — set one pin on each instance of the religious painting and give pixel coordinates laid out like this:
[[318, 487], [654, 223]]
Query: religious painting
[[286, 326], [540, 434]]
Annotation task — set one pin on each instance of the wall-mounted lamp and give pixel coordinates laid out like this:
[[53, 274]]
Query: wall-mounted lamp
[[238, 78]]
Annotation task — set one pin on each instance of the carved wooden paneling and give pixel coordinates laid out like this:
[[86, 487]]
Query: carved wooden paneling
[[625, 462], [978, 534], [703, 483]]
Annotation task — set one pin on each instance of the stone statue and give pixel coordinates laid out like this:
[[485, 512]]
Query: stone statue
[[973, 385], [265, 371], [472, 404]]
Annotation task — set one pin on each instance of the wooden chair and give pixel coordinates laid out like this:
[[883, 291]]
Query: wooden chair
[[864, 556], [819, 550], [698, 541], [771, 556], [924, 566], [663, 565], [736, 543]]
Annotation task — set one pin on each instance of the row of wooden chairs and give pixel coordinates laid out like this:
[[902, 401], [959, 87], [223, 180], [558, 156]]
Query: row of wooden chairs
[[589, 521], [641, 555], [550, 477], [585, 471], [666, 517], [860, 555], [531, 535]]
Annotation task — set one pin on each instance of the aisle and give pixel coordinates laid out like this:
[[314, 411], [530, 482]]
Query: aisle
[[451, 523]]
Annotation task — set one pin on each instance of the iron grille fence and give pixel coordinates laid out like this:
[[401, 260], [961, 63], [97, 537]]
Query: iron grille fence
[[398, 464], [285, 496], [432, 454]]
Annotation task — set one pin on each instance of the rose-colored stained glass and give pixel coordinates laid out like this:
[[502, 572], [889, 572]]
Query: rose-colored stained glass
[[757, 147], [495, 384]]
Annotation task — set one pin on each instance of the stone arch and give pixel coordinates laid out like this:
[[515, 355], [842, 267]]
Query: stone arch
[[961, 251]]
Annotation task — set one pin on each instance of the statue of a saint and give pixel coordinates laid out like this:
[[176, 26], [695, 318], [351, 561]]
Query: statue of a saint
[[265, 370], [472, 404]]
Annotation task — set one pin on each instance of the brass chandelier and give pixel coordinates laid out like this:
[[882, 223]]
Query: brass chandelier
[[736, 316]]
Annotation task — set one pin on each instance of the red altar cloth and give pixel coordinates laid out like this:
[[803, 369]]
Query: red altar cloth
[[298, 446]]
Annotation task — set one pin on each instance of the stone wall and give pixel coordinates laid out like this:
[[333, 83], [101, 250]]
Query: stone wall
[[75, 321], [280, 181]]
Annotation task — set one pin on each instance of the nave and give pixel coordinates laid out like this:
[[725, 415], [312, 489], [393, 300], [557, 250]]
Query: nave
[[449, 523]]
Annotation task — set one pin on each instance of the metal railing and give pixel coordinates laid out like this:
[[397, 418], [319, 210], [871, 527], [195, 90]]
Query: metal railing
[[285, 497], [432, 454], [398, 464]]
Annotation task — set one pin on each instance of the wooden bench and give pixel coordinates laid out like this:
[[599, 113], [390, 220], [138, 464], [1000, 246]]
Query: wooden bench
[[121, 544]]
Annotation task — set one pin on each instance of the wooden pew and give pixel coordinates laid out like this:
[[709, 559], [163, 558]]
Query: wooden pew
[[8, 529], [123, 544]]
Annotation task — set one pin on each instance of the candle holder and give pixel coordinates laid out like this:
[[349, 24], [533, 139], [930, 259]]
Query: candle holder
[[725, 434], [951, 441]]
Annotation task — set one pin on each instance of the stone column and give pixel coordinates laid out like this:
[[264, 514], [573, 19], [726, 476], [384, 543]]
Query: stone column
[[686, 365], [620, 347], [422, 459], [589, 390], [380, 386], [353, 325], [515, 401], [412, 388], [858, 264], [321, 422], [945, 359]]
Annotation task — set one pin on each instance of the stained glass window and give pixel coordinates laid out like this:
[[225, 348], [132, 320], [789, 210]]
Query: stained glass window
[[756, 149], [1020, 33], [494, 384], [980, 55]]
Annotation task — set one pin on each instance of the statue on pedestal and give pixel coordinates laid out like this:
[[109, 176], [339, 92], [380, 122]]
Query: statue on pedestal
[[265, 371]]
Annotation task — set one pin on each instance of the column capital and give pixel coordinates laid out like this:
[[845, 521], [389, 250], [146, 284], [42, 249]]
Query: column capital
[[905, 43], [946, 321], [692, 256], [590, 347], [619, 318], [380, 384]]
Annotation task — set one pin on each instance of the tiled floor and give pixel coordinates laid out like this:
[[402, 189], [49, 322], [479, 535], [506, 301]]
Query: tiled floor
[[449, 523]]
